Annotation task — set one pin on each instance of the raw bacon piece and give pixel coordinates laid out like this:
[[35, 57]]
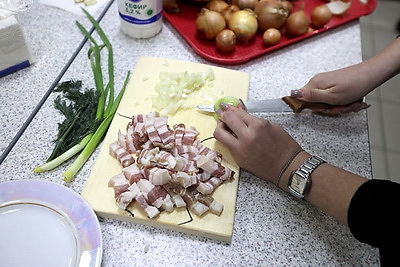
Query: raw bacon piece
[[125, 199], [119, 183], [126, 141], [211, 203], [179, 132], [165, 160], [164, 132], [159, 176], [119, 153], [195, 206], [190, 136], [209, 186], [151, 211], [132, 173], [184, 179]]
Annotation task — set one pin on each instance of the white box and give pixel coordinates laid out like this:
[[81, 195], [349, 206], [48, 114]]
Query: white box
[[14, 51]]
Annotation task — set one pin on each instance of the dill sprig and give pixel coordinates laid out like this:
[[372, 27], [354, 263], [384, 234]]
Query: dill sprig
[[87, 117]]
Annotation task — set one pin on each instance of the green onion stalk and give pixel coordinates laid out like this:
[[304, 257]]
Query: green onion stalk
[[104, 114]]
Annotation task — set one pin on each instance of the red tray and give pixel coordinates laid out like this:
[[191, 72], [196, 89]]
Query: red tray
[[184, 23]]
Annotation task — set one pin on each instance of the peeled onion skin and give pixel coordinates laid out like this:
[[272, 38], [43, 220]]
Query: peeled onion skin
[[271, 14], [209, 24], [244, 24], [297, 23], [226, 40]]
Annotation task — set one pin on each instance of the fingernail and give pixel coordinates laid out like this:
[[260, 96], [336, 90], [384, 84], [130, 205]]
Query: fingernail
[[242, 103], [223, 105], [296, 93]]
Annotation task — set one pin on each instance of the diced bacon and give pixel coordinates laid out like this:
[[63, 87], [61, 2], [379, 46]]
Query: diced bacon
[[224, 173], [151, 211], [125, 198], [209, 186], [209, 153], [164, 132], [179, 132], [180, 163], [190, 136], [199, 208], [132, 173], [152, 133], [159, 176], [168, 204], [203, 176], [184, 179], [119, 183], [206, 164], [126, 141], [166, 160], [119, 153], [147, 157], [211, 203], [173, 168]]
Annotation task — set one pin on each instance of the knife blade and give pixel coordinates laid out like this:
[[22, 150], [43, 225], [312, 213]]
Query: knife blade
[[282, 105]]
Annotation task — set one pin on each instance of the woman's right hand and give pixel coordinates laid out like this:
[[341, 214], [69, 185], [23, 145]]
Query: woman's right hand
[[343, 88]]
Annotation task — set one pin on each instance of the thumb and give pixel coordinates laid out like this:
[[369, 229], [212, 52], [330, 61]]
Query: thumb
[[311, 94]]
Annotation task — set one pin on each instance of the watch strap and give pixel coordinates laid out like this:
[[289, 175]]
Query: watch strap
[[305, 171]]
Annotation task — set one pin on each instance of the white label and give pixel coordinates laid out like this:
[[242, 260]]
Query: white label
[[140, 12]]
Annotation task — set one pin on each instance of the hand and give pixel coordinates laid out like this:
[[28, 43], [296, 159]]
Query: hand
[[343, 87], [257, 145]]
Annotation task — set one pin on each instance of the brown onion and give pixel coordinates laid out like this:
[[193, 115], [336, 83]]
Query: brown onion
[[320, 15], [216, 5], [209, 24], [272, 36], [228, 11], [244, 24], [271, 14], [226, 40], [245, 3], [297, 23]]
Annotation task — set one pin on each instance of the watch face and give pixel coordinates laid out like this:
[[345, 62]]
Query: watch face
[[298, 184]]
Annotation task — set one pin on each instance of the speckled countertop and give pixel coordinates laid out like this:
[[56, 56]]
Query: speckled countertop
[[271, 228]]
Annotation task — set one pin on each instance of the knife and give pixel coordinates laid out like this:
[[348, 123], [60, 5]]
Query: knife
[[285, 104]]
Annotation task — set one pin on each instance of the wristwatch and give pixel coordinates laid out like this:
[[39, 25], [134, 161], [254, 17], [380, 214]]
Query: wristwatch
[[300, 180]]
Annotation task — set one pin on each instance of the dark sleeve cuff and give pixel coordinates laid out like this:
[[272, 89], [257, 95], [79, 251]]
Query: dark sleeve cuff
[[372, 215]]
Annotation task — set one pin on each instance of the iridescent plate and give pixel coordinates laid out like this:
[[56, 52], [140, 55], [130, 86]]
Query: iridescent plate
[[47, 224]]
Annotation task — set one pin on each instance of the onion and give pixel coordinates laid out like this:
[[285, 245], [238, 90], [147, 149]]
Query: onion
[[320, 15], [216, 5], [228, 11], [272, 37], [271, 14], [209, 24], [170, 6], [245, 3], [297, 23], [244, 24], [226, 40]]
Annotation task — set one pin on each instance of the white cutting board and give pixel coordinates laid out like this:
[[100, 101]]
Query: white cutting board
[[137, 100]]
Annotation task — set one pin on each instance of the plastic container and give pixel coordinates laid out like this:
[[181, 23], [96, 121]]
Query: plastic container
[[140, 18]]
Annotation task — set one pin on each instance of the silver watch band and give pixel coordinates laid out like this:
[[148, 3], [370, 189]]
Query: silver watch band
[[309, 166]]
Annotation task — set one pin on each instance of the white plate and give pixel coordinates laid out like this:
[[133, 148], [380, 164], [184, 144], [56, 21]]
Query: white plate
[[47, 224]]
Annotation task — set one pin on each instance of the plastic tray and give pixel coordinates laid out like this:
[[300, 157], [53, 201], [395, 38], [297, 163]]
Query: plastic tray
[[184, 23]]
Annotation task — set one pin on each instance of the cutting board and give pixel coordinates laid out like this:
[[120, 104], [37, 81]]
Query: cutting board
[[137, 100]]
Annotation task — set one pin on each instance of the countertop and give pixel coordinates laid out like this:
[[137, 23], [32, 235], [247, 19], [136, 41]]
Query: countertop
[[271, 227]]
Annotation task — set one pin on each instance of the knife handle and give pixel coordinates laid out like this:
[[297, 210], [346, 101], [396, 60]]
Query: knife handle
[[298, 105]]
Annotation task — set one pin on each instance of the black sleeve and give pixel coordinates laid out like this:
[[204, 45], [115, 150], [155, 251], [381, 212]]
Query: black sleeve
[[373, 216]]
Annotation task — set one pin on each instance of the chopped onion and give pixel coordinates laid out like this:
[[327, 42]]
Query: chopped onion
[[174, 88]]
